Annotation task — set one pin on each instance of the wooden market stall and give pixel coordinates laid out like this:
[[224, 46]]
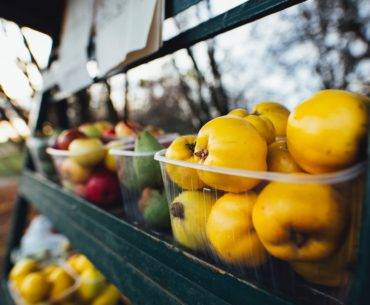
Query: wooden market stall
[[149, 269]]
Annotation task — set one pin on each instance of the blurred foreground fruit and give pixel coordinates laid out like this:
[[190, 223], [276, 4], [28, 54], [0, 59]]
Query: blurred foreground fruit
[[189, 213], [328, 131], [92, 284], [231, 233], [87, 152], [79, 263], [109, 296], [182, 149], [35, 287], [226, 142], [22, 268], [60, 281], [276, 113], [300, 222], [280, 160]]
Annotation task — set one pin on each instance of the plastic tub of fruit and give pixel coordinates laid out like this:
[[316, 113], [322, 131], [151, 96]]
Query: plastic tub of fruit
[[141, 182], [288, 232], [43, 164], [34, 282], [88, 170]]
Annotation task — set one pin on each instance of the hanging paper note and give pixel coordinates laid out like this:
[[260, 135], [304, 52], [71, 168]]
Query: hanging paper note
[[124, 26], [72, 73]]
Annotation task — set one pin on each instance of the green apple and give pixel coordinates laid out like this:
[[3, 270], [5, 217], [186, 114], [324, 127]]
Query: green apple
[[87, 152], [90, 130]]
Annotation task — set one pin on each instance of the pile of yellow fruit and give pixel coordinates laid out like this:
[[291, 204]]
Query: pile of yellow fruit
[[73, 283], [308, 225]]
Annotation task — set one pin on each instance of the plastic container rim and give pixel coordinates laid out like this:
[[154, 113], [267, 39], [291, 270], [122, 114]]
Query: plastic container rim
[[298, 178], [127, 150], [130, 153]]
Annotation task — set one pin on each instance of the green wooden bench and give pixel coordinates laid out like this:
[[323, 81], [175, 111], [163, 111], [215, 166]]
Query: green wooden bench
[[148, 269]]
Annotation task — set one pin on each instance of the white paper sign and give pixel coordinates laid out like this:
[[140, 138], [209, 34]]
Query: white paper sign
[[123, 26], [72, 73]]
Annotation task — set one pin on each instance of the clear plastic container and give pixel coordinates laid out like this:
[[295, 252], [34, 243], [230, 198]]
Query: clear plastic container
[[43, 164], [292, 234], [69, 295], [98, 183], [142, 190]]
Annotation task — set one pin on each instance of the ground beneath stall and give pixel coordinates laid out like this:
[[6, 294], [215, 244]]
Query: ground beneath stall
[[8, 190]]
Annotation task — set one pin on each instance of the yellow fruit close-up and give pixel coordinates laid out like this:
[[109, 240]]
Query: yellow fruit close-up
[[300, 222], [23, 268], [60, 281], [334, 271], [35, 287], [49, 269], [268, 106], [189, 213], [79, 263], [266, 130], [231, 233], [327, 132], [280, 160], [276, 113], [239, 112], [182, 149], [227, 142], [92, 283], [109, 296]]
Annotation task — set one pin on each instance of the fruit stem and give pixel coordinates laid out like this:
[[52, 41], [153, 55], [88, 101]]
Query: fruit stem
[[202, 154], [298, 238]]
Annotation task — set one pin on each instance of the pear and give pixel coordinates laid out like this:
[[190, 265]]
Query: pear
[[147, 170], [154, 207]]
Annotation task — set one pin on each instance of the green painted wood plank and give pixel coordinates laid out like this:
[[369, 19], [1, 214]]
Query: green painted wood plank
[[5, 297], [168, 265], [174, 7]]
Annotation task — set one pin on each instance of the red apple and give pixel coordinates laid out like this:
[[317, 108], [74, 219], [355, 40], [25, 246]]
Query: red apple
[[109, 132], [67, 136], [103, 189]]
